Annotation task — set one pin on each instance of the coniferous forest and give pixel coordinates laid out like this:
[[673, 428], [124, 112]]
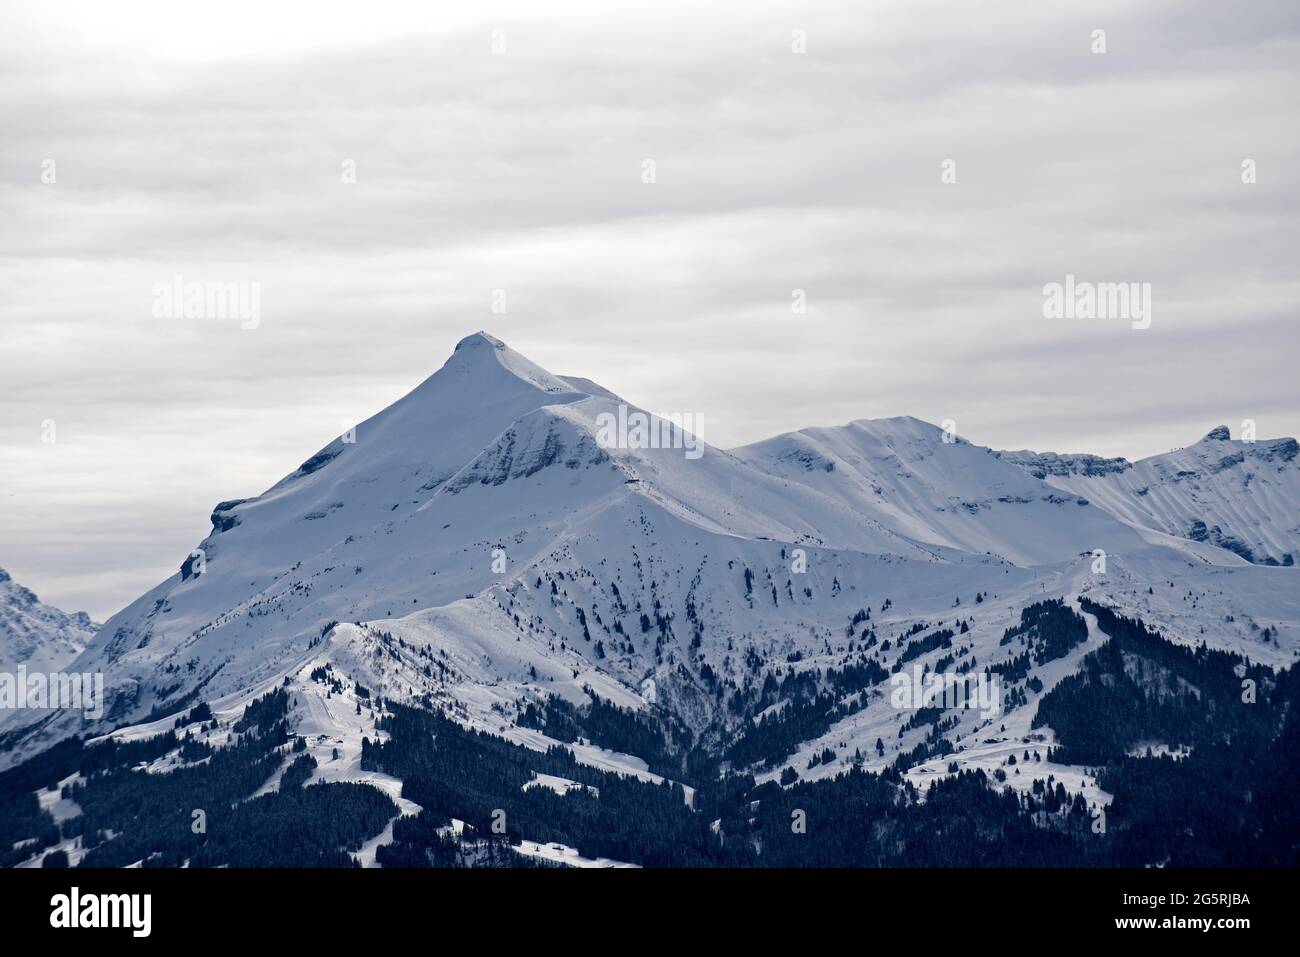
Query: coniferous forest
[[1216, 792]]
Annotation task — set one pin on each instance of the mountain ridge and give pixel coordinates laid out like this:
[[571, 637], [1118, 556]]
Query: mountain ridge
[[1240, 495]]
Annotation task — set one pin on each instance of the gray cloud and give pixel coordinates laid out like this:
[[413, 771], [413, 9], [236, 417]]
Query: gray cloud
[[215, 153]]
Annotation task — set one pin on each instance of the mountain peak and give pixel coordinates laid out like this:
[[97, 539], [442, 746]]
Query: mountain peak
[[1219, 433], [481, 355], [480, 340]]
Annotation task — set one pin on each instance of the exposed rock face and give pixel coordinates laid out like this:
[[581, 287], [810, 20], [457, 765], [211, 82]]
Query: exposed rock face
[[1238, 495], [37, 635]]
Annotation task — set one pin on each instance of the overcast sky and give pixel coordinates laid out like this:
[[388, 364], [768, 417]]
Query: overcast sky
[[211, 145]]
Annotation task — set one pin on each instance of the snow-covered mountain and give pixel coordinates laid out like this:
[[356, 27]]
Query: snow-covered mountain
[[1240, 495], [481, 545], [946, 492], [37, 635]]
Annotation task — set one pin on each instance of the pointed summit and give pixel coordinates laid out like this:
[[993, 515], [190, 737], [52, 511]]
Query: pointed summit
[[482, 356], [1218, 434], [479, 339]]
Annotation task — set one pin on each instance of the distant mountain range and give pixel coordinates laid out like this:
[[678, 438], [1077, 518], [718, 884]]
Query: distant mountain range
[[37, 635]]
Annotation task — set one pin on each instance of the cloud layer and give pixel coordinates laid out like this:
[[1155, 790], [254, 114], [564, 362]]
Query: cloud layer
[[214, 150]]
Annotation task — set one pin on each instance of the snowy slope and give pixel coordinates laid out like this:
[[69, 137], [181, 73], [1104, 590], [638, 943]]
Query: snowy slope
[[1203, 603], [38, 636], [1243, 496], [948, 493]]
